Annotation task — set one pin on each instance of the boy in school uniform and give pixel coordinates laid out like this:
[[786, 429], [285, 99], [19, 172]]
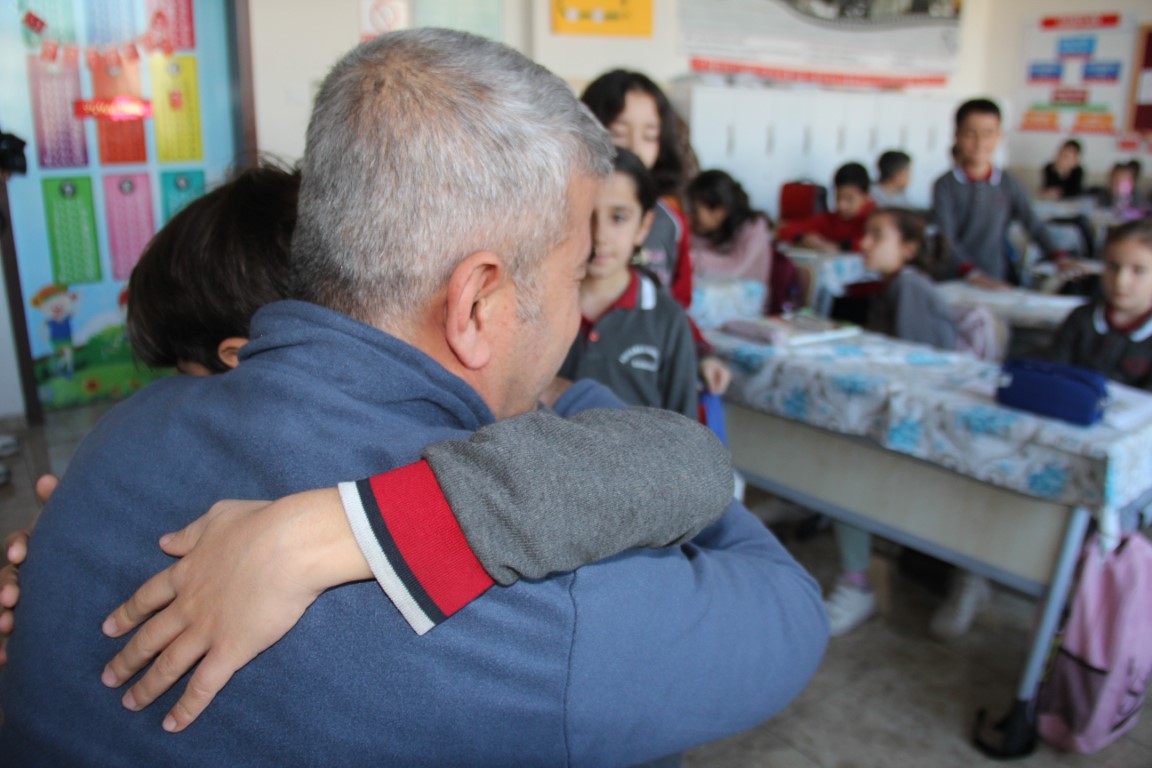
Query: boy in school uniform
[[891, 189], [840, 229], [975, 203]]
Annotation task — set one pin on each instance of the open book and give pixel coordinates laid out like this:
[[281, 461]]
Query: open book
[[798, 329]]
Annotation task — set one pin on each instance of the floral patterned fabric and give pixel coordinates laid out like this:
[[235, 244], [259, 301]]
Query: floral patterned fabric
[[940, 407]]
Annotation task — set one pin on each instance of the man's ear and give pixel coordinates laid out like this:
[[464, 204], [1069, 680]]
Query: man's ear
[[229, 350], [645, 228], [473, 307]]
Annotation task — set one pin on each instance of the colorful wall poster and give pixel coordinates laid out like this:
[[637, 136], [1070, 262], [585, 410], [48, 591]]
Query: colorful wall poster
[[1076, 72], [178, 188], [621, 18], [71, 217], [176, 107], [865, 43], [127, 107]]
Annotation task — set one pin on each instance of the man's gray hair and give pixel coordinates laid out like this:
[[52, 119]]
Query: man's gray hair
[[425, 146]]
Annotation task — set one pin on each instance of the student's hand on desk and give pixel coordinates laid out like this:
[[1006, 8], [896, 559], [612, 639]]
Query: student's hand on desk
[[716, 375], [1072, 269], [818, 243], [983, 281], [248, 571], [16, 549]]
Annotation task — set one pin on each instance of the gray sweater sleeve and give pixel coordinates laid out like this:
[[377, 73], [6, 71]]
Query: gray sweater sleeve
[[541, 494], [921, 314], [946, 215]]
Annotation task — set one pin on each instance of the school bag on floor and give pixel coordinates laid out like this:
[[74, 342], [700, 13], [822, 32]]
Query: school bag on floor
[[1099, 677]]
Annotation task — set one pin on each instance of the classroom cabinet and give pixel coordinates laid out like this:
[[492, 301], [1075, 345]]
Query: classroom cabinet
[[766, 136]]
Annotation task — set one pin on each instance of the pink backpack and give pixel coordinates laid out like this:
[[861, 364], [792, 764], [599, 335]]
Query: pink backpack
[[1098, 678]]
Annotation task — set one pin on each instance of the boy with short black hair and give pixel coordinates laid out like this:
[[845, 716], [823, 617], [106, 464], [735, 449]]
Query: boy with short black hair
[[1064, 177], [975, 203], [840, 229], [895, 169], [207, 271]]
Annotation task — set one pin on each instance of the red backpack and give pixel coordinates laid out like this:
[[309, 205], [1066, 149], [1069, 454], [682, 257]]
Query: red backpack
[[1098, 679]]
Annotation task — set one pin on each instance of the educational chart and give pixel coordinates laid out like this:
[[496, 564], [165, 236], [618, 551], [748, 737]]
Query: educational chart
[[127, 110], [1076, 74]]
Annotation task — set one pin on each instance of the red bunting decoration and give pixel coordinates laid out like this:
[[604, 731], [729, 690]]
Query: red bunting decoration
[[157, 37], [34, 22]]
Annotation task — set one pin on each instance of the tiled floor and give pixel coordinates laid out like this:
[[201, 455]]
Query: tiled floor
[[886, 696]]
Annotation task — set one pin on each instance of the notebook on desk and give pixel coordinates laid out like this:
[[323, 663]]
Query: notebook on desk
[[793, 331]]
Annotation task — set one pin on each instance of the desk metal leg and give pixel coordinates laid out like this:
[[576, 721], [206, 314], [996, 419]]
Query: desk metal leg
[[1018, 728]]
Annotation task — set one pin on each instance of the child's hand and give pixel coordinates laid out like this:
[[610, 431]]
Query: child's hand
[[983, 281], [817, 243], [248, 571], [1072, 269], [17, 549], [716, 375]]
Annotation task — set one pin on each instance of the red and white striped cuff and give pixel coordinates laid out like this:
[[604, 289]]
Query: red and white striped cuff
[[413, 544]]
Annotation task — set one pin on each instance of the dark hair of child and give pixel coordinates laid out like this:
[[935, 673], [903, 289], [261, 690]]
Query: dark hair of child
[[1136, 168], [1072, 144], [716, 189], [605, 97], [891, 163], [976, 107], [632, 166], [1137, 229], [913, 228], [207, 271], [852, 175]]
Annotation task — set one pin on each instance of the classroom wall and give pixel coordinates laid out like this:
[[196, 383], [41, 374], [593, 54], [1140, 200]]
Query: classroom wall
[[296, 41]]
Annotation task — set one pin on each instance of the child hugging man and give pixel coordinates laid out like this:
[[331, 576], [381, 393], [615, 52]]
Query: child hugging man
[[840, 229], [976, 202]]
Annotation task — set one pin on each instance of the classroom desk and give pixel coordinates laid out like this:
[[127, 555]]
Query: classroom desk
[[922, 454], [1030, 317], [1018, 308], [831, 272]]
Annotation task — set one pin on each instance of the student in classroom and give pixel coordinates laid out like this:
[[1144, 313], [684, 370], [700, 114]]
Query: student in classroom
[[634, 337], [1121, 194], [905, 304], [975, 203], [640, 118], [840, 229], [730, 238], [891, 188], [204, 275], [1113, 335], [1063, 178]]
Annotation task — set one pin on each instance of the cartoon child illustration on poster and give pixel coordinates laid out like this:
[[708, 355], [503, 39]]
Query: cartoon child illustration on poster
[[57, 304]]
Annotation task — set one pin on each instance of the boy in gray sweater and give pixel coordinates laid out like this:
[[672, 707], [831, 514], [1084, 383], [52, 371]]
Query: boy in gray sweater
[[976, 202]]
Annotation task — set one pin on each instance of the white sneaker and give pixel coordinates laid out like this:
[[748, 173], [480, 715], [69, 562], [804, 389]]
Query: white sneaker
[[848, 607], [969, 593]]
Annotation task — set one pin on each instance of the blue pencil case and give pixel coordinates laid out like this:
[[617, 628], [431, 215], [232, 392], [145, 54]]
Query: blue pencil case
[[1066, 392]]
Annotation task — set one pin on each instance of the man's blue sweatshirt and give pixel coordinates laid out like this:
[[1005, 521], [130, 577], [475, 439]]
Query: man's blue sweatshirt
[[634, 657]]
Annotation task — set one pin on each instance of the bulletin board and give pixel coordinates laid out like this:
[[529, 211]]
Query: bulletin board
[[1076, 74], [129, 111]]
